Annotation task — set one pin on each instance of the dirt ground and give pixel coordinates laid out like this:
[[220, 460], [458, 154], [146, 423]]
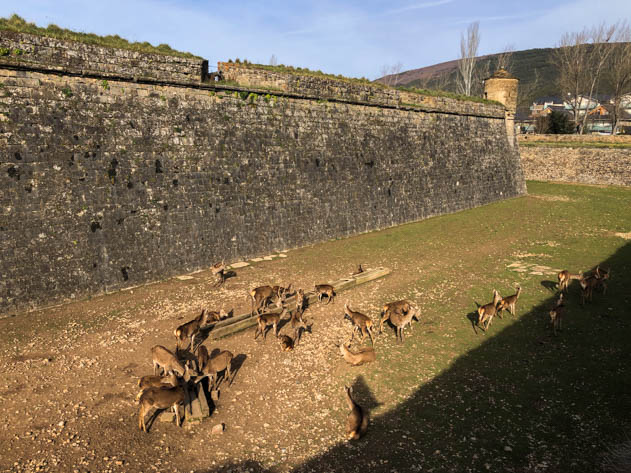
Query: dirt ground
[[70, 379]]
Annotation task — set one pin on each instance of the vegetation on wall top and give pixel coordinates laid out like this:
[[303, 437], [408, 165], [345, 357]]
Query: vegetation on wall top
[[20, 25]]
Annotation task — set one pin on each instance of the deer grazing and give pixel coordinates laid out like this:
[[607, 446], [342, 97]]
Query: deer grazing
[[152, 381], [325, 290], [357, 421], [265, 320], [401, 320], [487, 311], [400, 307], [190, 330], [364, 355], [164, 359], [556, 314], [215, 365], [565, 277], [263, 295], [160, 398], [214, 316], [287, 343], [361, 323], [508, 303]]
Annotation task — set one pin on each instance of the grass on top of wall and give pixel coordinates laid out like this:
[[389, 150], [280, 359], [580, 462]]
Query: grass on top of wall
[[304, 71], [20, 25]]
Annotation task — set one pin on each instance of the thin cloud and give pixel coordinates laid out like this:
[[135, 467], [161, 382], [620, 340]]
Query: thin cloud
[[419, 6], [495, 18]]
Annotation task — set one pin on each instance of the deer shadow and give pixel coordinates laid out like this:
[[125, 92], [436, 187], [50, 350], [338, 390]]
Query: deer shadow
[[550, 285]]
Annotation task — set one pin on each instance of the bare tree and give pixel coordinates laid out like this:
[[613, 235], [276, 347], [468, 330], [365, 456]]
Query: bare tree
[[581, 57], [505, 57], [390, 74], [617, 75], [273, 60], [468, 52]]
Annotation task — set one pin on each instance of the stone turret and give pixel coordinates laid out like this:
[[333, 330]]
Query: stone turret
[[502, 87]]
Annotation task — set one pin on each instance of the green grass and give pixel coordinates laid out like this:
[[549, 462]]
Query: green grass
[[20, 25], [574, 144]]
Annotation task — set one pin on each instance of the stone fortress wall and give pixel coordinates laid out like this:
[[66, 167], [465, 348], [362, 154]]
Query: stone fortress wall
[[119, 168]]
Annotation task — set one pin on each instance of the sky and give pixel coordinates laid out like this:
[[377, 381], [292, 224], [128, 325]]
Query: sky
[[356, 38]]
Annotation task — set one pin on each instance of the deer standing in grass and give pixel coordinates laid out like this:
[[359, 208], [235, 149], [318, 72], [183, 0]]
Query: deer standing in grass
[[357, 421], [401, 320], [556, 314], [565, 277], [190, 330], [487, 311], [361, 323], [396, 307], [508, 303]]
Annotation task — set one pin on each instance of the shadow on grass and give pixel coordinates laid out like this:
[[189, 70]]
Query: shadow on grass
[[523, 401]]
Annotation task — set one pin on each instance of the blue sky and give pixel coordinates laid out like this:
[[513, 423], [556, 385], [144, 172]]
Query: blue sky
[[351, 37]]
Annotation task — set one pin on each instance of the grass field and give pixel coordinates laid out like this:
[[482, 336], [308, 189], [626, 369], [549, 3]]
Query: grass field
[[451, 398]]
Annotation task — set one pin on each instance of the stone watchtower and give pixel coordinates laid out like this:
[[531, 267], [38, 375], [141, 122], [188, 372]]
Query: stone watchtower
[[502, 87]]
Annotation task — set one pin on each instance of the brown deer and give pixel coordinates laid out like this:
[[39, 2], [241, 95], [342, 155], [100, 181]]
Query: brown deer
[[364, 355], [263, 295], [218, 363], [165, 359], [265, 320], [603, 275], [202, 357], [190, 330], [300, 300], [508, 303], [287, 343], [587, 288], [325, 290], [219, 271], [160, 398], [214, 316], [401, 307], [296, 318], [152, 381], [401, 320], [487, 311], [556, 314], [361, 323], [357, 421], [565, 277]]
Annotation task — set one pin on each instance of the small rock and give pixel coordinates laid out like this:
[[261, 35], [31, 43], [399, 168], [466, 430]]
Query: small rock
[[62, 423], [218, 429], [508, 449]]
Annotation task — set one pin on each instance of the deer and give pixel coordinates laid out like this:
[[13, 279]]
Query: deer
[[300, 300], [358, 271], [219, 271], [361, 323], [357, 421], [401, 307], [261, 296], [401, 320], [296, 318], [325, 290], [190, 330], [165, 359], [508, 303], [287, 343], [556, 314], [602, 275], [265, 320], [202, 357], [218, 363], [487, 311], [214, 316], [587, 287], [152, 381], [364, 355], [160, 398], [565, 277]]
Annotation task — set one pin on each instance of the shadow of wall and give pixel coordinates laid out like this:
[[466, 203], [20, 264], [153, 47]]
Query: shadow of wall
[[524, 401]]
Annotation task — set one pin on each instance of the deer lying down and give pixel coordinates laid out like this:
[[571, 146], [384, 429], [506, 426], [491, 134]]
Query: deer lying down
[[364, 355], [357, 421], [160, 398]]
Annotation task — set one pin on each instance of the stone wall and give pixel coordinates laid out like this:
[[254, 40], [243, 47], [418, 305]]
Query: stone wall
[[607, 166], [111, 184], [51, 54]]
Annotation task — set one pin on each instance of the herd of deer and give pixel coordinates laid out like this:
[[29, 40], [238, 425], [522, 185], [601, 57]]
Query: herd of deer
[[588, 282], [170, 389]]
